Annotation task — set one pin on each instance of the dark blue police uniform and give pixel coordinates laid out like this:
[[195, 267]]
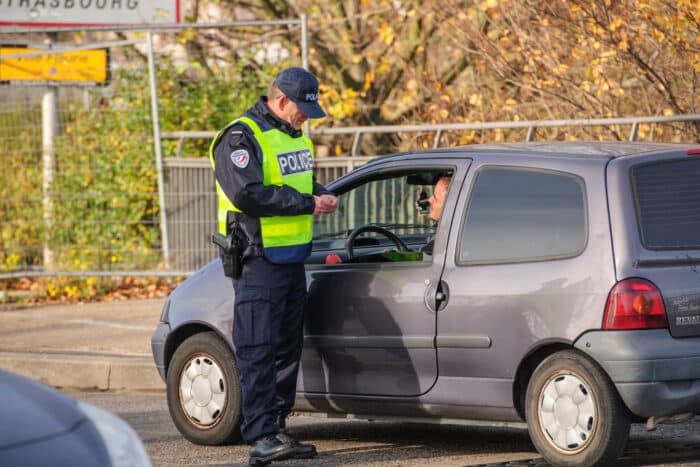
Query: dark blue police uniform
[[269, 298]]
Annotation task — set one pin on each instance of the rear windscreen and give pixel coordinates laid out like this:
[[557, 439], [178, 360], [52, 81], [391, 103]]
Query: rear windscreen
[[668, 204]]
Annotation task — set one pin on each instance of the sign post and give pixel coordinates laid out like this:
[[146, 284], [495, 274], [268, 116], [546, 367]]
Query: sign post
[[49, 126]]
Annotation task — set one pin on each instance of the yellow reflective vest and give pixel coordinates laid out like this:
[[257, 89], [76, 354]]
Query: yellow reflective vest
[[285, 161]]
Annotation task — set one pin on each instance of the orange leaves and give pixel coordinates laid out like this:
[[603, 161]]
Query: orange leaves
[[386, 33], [615, 24], [560, 69], [513, 60], [658, 35], [91, 289], [340, 105], [476, 100], [369, 79]]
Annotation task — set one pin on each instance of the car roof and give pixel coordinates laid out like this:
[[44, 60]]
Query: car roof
[[587, 149], [604, 149]]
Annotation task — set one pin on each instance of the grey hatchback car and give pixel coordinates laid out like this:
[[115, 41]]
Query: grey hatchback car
[[562, 290]]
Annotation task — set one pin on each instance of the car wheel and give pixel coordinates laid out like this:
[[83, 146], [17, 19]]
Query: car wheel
[[574, 414], [204, 395]]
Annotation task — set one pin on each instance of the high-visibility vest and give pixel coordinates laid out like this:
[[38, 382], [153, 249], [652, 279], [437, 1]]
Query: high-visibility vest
[[285, 161]]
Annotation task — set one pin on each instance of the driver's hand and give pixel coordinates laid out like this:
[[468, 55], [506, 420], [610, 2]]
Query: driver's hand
[[325, 204]]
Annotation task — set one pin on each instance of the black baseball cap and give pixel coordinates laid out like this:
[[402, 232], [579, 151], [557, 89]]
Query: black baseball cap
[[302, 88]]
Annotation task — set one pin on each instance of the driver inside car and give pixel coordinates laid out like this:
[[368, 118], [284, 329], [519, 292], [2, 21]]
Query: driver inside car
[[436, 201]]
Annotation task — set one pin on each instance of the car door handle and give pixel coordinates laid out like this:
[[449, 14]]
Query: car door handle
[[436, 296], [442, 296]]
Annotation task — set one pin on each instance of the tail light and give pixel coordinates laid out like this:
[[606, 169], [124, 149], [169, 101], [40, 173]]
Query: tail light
[[635, 304]]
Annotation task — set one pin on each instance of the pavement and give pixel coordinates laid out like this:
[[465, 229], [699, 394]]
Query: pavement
[[104, 346]]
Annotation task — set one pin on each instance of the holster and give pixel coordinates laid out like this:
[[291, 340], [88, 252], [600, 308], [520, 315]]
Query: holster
[[231, 253]]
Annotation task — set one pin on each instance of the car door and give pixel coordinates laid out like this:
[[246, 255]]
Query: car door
[[370, 324], [523, 269]]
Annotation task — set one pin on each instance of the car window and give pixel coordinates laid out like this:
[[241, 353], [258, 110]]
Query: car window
[[390, 201], [523, 215], [667, 195]]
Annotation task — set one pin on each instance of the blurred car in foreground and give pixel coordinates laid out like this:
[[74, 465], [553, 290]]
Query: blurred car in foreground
[[563, 290], [39, 426]]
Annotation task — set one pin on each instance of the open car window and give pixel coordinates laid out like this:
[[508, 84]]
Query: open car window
[[396, 202]]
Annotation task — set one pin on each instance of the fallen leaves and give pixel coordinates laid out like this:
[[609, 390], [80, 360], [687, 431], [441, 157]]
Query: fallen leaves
[[30, 291]]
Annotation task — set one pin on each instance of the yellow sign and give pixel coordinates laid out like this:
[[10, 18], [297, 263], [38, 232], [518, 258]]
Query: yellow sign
[[73, 66]]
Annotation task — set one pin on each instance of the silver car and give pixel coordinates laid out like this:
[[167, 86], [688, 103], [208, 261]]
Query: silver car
[[43, 427], [563, 290]]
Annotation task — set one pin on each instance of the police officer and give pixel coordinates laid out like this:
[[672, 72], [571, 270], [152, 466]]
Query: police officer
[[267, 196]]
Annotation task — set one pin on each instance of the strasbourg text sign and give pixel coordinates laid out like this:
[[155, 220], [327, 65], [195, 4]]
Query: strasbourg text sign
[[42, 13]]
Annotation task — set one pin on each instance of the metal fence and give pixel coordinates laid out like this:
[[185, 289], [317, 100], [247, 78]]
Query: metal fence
[[436, 132], [190, 187], [82, 184], [73, 191], [191, 205]]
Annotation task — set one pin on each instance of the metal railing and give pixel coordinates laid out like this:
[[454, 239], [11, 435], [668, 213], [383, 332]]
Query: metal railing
[[440, 128]]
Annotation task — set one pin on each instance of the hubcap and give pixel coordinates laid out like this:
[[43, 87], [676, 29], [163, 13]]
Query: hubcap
[[202, 391], [567, 413]]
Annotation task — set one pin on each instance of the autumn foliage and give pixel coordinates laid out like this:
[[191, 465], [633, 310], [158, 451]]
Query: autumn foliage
[[390, 62]]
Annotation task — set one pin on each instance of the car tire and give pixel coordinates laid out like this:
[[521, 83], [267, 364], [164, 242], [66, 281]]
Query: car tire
[[574, 414], [203, 390]]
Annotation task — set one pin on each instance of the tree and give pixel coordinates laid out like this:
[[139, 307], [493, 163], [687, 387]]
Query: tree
[[387, 62]]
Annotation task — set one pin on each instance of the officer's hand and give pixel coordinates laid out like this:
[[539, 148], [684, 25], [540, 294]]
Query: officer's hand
[[325, 204], [332, 201]]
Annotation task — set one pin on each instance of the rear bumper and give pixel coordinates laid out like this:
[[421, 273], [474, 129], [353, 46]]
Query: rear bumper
[[654, 373], [158, 347]]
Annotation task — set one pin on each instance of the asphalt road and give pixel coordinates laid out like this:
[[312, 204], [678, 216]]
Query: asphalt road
[[350, 442]]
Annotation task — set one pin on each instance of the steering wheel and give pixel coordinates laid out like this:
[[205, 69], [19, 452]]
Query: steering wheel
[[372, 228]]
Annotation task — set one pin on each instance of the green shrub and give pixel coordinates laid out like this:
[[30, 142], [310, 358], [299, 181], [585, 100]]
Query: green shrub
[[105, 197]]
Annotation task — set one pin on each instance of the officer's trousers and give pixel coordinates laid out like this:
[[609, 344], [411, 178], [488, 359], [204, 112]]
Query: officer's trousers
[[268, 336]]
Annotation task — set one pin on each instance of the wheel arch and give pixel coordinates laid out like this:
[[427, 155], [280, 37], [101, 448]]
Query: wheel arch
[[533, 359], [527, 367], [184, 332]]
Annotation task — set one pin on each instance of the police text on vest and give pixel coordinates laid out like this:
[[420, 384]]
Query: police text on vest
[[295, 162]]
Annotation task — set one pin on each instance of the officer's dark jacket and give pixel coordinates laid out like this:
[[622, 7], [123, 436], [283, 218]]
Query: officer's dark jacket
[[244, 186]]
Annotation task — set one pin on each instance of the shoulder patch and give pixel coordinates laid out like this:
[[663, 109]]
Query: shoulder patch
[[240, 158]]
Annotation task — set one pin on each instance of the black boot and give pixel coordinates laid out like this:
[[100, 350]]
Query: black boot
[[302, 450], [270, 448]]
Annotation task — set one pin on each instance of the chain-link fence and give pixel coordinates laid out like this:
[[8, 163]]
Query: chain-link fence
[[77, 193], [82, 184]]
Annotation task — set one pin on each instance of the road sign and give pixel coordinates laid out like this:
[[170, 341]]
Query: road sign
[[70, 66], [43, 13]]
